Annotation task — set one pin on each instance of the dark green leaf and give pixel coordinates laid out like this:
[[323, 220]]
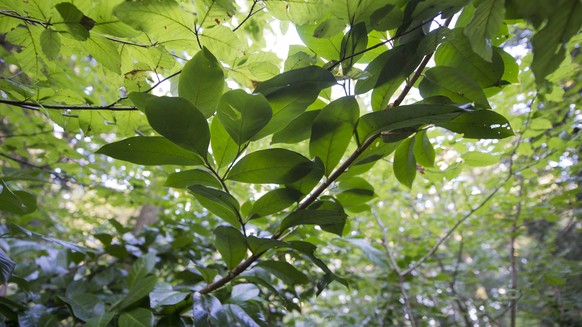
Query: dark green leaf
[[6, 267], [192, 177], [404, 116], [142, 267], [315, 217], [100, 321], [224, 148], [231, 244], [273, 202], [146, 150], [138, 291], [179, 121], [202, 82], [260, 245], [241, 316], [332, 131], [284, 271], [355, 191], [243, 292], [309, 181], [218, 202], [243, 115], [423, 150], [454, 84], [326, 279], [480, 124], [17, 202], [290, 93], [76, 22], [299, 129], [405, 163], [353, 42], [207, 311], [207, 273], [277, 166], [84, 306], [486, 21], [139, 317], [308, 249], [163, 297]]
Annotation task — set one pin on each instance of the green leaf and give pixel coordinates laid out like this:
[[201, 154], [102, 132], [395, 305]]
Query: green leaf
[[458, 53], [181, 122], [405, 163], [486, 21], [299, 129], [16, 202], [284, 271], [202, 82], [207, 311], [309, 181], [401, 117], [6, 267], [143, 266], [328, 48], [549, 44], [315, 217], [260, 245], [454, 84], [243, 115], [480, 124], [243, 318], [231, 244], [139, 317], [105, 52], [479, 159], [76, 22], [165, 297], [423, 150], [196, 176], [154, 150], [218, 202], [353, 42], [208, 274], [100, 321], [243, 292], [355, 191], [332, 131], [84, 306], [275, 166], [377, 257], [138, 291], [329, 28], [224, 148], [308, 249], [290, 93], [274, 201], [50, 43]]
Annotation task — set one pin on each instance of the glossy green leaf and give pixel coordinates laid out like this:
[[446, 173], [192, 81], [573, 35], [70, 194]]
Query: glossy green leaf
[[423, 150], [241, 316], [218, 202], [202, 82], [405, 163], [144, 150], [76, 22], [224, 148], [284, 271], [453, 84], [297, 130], [143, 266], [179, 121], [138, 291], [403, 117], [231, 244], [207, 311], [260, 245], [274, 201], [486, 21], [549, 48], [276, 166], [139, 317], [332, 131], [196, 176], [458, 53], [480, 124], [243, 115], [243, 292], [165, 297], [315, 217], [6, 267], [479, 159], [290, 93]]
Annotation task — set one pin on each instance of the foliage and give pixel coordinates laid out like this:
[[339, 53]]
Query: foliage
[[161, 167]]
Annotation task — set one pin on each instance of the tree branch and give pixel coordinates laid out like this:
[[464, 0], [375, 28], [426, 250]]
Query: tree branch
[[251, 13], [36, 106], [13, 14]]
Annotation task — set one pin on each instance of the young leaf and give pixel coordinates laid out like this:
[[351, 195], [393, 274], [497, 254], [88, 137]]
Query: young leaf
[[139, 317], [290, 93], [480, 124], [454, 84], [486, 21], [181, 122], [243, 115], [192, 177], [224, 148], [202, 82], [405, 163], [218, 202], [315, 217], [332, 131], [423, 150], [231, 244], [207, 311], [274, 201], [276, 166], [154, 150]]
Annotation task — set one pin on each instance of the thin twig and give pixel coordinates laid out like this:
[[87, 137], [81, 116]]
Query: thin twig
[[251, 13], [13, 14], [36, 106]]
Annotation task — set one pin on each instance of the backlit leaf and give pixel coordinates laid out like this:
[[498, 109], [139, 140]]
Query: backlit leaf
[[480, 124], [486, 21], [454, 84], [243, 115], [405, 163]]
